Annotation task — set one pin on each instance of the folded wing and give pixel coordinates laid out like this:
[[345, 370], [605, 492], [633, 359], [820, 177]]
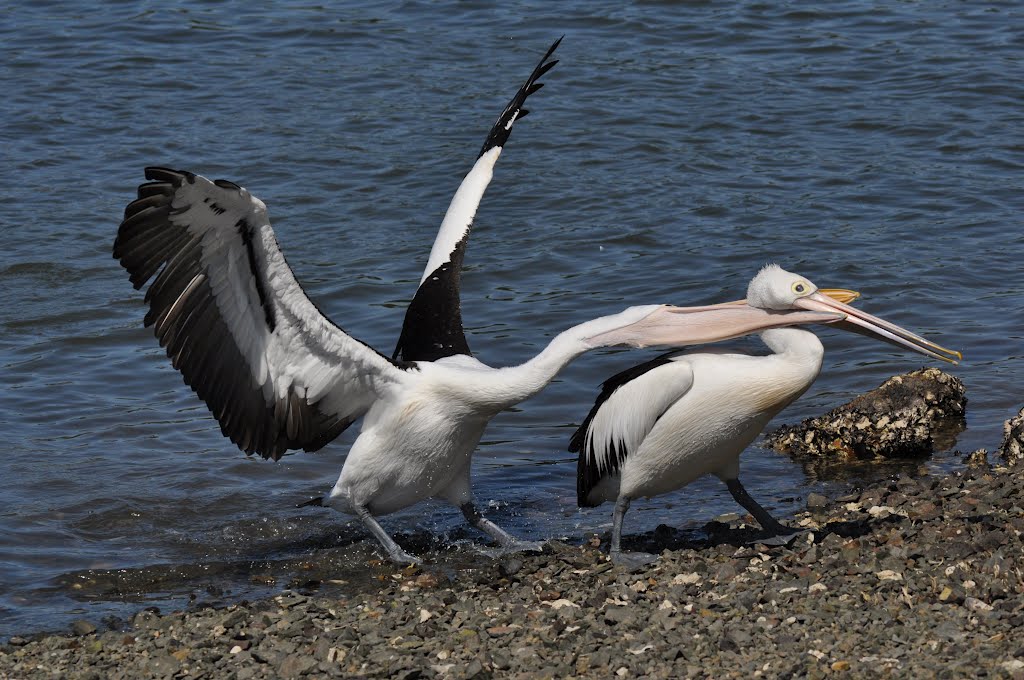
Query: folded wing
[[274, 371], [629, 405]]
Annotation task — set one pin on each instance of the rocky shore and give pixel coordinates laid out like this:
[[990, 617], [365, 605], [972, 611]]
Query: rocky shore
[[904, 578]]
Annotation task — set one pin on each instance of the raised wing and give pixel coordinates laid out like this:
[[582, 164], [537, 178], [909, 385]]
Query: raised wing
[[274, 371], [629, 405], [433, 321]]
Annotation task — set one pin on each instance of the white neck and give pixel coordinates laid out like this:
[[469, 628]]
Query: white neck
[[521, 382], [795, 344], [795, 365]]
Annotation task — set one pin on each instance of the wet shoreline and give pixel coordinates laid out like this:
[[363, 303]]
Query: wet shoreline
[[912, 576]]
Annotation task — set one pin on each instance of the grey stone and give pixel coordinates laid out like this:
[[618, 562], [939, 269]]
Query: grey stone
[[816, 501], [295, 665], [82, 627]]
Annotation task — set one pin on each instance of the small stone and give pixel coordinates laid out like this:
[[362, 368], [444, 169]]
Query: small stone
[[82, 627], [474, 669], [816, 501], [233, 618], [427, 580], [974, 604], [497, 631], [163, 665], [145, 619], [686, 579], [614, 615], [295, 665]]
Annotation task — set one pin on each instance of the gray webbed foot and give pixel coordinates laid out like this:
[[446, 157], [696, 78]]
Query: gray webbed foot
[[783, 537], [633, 560]]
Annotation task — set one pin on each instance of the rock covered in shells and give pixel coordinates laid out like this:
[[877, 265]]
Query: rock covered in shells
[[1012, 448], [908, 415]]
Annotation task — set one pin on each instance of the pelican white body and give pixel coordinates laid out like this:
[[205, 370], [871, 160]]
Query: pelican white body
[[719, 403]]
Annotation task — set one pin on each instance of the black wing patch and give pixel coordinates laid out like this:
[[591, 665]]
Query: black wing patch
[[433, 322], [188, 323], [587, 473], [432, 328]]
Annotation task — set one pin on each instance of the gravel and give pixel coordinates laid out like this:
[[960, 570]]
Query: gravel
[[913, 577]]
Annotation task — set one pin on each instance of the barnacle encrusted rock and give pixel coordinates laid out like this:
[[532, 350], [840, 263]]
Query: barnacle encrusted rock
[[907, 415], [1012, 448]]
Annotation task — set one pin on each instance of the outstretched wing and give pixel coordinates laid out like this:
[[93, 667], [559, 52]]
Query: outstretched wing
[[274, 371], [629, 405], [433, 321]]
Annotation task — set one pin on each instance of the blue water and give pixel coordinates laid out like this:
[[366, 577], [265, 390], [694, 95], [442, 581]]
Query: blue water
[[675, 149]]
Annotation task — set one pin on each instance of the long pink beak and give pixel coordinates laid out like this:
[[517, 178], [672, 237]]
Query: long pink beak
[[863, 323]]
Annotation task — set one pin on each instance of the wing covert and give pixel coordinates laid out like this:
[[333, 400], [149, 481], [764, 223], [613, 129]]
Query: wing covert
[[274, 371], [627, 408]]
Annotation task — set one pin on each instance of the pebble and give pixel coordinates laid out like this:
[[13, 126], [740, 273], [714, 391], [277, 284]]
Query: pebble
[[816, 501]]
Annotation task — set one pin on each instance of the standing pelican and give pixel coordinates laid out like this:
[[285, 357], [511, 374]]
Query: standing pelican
[[660, 425]]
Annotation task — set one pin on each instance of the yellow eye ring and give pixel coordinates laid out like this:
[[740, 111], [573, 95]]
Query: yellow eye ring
[[801, 288]]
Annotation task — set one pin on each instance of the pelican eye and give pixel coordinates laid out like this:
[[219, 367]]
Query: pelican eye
[[800, 288]]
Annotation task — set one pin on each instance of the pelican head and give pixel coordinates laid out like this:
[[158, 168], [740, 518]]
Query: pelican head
[[774, 288]]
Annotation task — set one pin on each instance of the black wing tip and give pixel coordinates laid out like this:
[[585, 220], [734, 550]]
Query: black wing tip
[[227, 184], [502, 128], [578, 437], [317, 502], [587, 477], [174, 177]]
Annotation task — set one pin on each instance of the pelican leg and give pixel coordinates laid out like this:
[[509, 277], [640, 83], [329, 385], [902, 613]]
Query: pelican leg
[[630, 560], [395, 553], [767, 522], [621, 506], [507, 541]]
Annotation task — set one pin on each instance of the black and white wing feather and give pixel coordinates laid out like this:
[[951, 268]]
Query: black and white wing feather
[[629, 405], [274, 371], [433, 321]]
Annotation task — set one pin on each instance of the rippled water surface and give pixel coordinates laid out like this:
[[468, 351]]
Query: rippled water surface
[[675, 149]]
